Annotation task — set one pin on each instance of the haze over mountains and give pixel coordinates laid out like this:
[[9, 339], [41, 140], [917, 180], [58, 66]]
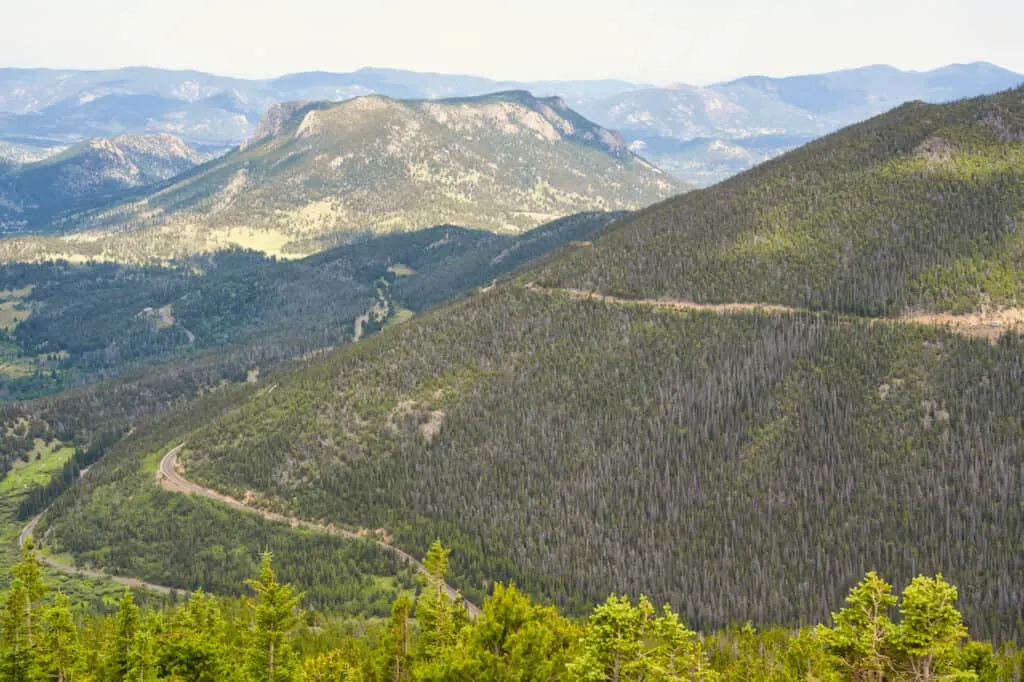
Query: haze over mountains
[[596, 424], [316, 174], [701, 134], [35, 193]]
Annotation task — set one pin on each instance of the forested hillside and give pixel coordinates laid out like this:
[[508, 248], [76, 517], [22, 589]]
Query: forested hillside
[[215, 329], [586, 447], [69, 325], [920, 208], [87, 175], [738, 464]]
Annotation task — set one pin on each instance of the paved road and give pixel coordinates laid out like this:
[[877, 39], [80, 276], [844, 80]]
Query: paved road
[[169, 479]]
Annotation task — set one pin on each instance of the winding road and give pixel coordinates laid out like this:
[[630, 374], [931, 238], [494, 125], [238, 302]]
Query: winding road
[[988, 325], [169, 478], [30, 529]]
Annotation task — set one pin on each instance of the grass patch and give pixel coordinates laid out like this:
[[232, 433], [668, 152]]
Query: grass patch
[[401, 270], [13, 308], [13, 489], [44, 461], [401, 316]]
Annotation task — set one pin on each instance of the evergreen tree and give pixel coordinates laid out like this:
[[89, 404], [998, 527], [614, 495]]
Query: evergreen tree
[[274, 613], [143, 657], [516, 639], [436, 613], [61, 650], [623, 642], [930, 630], [20, 660], [863, 630], [197, 650], [394, 658]]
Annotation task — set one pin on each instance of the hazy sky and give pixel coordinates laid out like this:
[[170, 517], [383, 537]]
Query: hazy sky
[[658, 41]]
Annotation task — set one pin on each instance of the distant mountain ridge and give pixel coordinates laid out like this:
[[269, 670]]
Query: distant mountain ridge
[[752, 118], [506, 162], [36, 192], [749, 120]]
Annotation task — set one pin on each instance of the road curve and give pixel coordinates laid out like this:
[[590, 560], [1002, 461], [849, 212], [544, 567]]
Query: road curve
[[169, 479], [30, 529]]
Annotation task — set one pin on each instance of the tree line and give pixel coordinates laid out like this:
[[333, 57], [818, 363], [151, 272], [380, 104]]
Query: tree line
[[876, 636]]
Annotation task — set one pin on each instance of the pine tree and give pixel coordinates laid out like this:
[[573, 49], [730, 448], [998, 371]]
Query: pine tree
[[930, 629], [197, 650], [19, 622], [143, 658], [435, 611], [126, 625], [394, 659], [274, 614], [516, 639], [61, 650], [623, 642], [863, 630]]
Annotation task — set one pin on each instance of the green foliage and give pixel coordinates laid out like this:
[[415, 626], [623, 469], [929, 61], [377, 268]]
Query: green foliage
[[271, 637], [930, 630], [919, 208], [573, 438], [275, 614], [627, 642], [863, 630]]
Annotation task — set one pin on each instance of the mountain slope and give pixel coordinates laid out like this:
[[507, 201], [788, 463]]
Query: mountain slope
[[738, 463], [240, 309], [37, 192], [505, 162], [918, 209]]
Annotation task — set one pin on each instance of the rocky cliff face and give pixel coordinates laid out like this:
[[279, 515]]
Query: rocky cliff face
[[273, 121]]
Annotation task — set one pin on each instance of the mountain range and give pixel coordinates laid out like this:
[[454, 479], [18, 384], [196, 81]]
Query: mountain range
[[701, 134], [87, 173], [315, 174], [737, 401]]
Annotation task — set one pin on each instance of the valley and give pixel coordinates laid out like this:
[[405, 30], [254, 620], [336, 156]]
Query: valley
[[796, 409], [387, 375]]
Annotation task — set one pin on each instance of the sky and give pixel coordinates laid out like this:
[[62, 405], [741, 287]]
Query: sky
[[649, 41]]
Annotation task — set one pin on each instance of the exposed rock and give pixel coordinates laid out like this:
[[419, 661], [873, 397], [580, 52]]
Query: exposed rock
[[273, 122]]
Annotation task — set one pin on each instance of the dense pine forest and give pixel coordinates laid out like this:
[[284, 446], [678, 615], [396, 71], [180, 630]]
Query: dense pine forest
[[876, 635], [920, 208], [64, 326], [555, 441], [737, 465]]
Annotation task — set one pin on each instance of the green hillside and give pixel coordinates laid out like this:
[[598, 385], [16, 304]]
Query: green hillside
[[505, 162], [586, 447], [921, 208], [62, 325], [740, 464]]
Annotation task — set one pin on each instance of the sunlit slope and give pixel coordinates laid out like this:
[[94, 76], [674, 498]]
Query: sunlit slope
[[506, 162], [921, 208]]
